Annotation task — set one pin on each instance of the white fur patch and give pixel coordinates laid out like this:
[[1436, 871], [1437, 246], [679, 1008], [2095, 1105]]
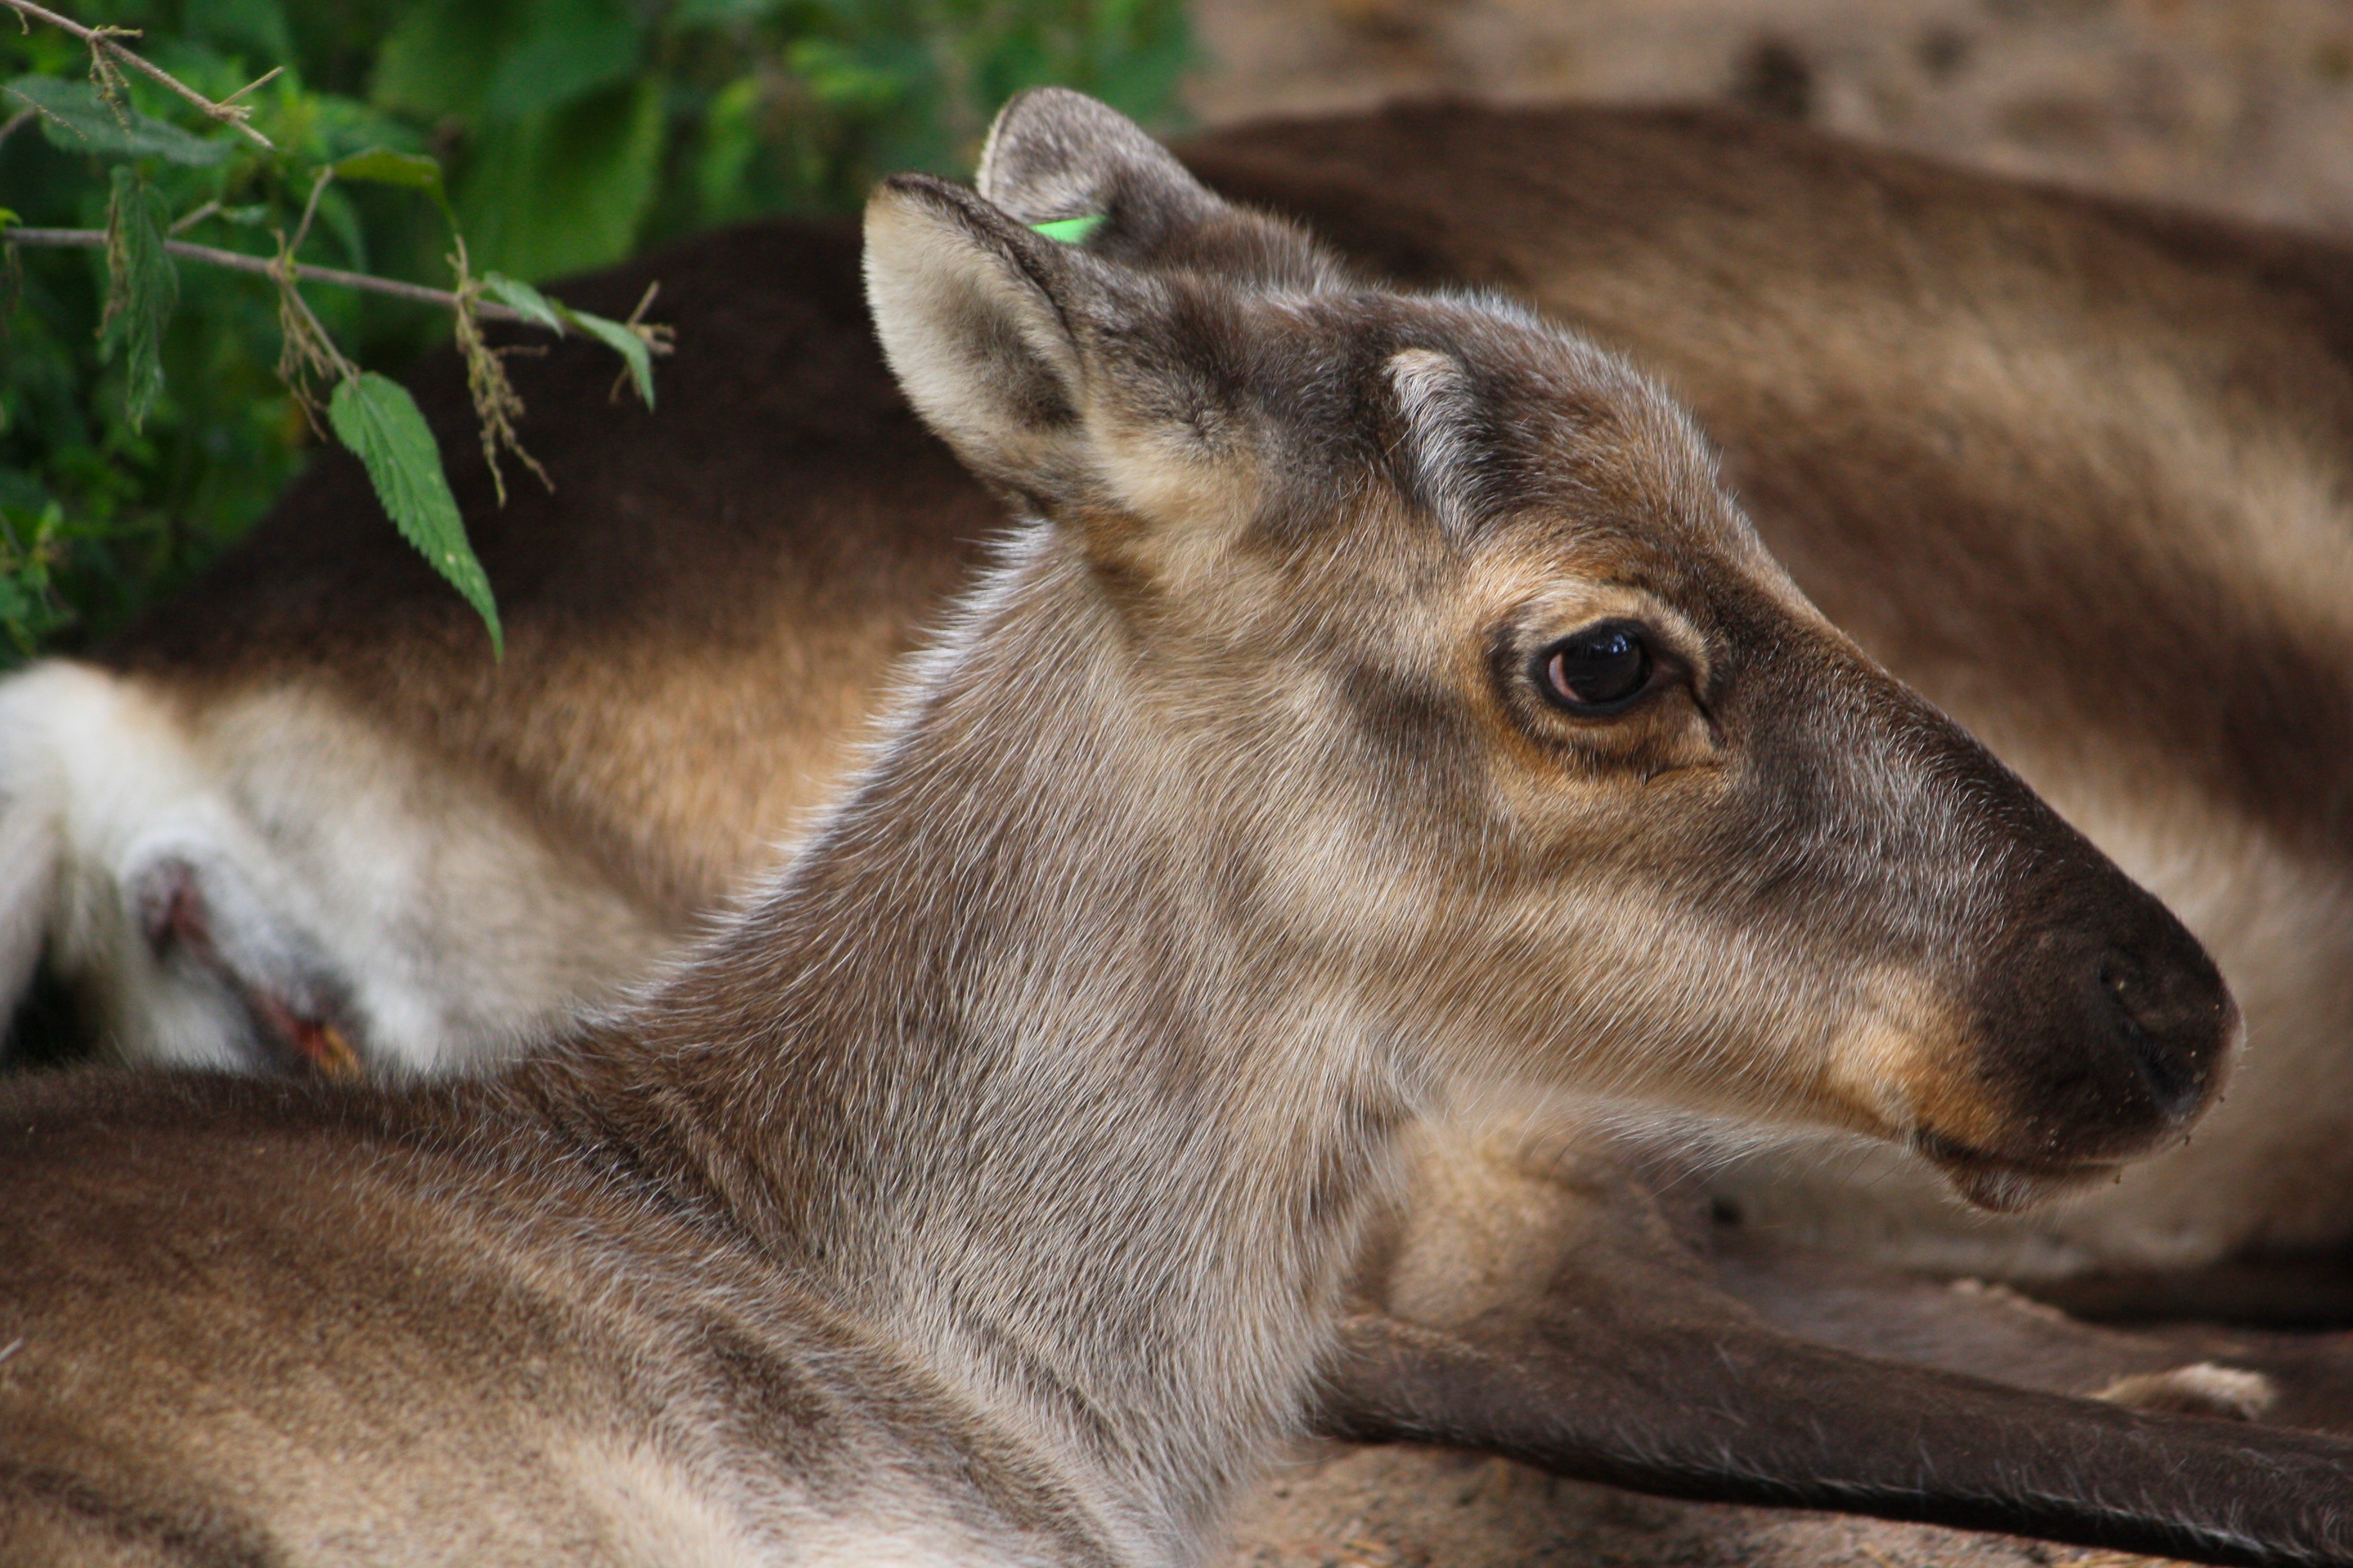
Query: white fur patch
[[2203, 1389], [1434, 401], [330, 859]]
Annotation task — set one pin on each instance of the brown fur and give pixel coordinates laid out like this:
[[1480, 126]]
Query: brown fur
[[2075, 469], [729, 1166], [1998, 539]]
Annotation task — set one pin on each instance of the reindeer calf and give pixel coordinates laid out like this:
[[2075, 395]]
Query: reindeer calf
[[1388, 701]]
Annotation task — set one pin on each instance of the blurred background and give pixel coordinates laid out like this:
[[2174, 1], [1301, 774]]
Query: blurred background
[[576, 133]]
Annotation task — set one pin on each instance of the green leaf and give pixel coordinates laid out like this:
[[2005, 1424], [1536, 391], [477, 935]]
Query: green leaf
[[522, 297], [577, 46], [375, 417], [76, 120], [623, 342], [412, 171], [142, 287], [566, 190], [382, 166], [555, 316]]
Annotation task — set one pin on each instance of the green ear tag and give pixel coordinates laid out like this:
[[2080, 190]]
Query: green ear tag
[[1070, 230]]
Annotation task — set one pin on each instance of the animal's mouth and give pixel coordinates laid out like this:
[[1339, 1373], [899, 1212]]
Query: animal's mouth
[[1999, 1183]]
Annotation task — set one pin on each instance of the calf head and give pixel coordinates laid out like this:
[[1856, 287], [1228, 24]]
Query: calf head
[[1495, 716]]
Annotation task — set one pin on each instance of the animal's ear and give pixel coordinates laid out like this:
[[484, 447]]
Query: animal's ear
[[1090, 176], [1104, 396], [975, 313]]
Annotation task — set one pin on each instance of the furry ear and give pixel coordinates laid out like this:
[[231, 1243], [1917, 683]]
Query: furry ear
[[1104, 396], [1059, 158], [974, 312]]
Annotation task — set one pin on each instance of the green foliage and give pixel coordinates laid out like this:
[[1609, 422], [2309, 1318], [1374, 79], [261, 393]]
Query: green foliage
[[634, 349], [375, 417], [143, 287], [571, 133], [76, 120]]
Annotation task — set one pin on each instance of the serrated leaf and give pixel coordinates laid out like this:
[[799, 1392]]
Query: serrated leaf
[[375, 417], [143, 287], [516, 295], [76, 120]]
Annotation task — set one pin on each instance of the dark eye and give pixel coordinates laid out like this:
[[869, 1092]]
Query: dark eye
[[1600, 669]]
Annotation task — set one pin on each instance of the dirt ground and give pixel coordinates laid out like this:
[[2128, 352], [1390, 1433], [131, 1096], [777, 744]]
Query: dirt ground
[[1405, 1508], [2241, 105], [2244, 106]]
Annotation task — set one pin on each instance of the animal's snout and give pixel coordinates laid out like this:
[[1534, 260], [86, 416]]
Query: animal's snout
[[2107, 1028], [2169, 1022]]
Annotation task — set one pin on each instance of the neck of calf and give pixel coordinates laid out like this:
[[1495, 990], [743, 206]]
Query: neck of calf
[[999, 1069]]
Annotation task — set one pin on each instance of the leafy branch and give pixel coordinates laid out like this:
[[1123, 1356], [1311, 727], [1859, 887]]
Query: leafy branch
[[369, 413], [267, 267], [106, 53], [571, 134]]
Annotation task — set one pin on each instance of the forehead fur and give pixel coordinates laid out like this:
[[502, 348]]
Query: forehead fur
[[1473, 409]]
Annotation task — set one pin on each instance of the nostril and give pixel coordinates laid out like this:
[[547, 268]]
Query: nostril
[[2170, 1066]]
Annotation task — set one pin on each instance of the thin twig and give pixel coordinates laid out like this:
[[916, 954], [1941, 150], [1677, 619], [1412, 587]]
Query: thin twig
[[309, 210], [230, 114], [264, 267], [10, 126], [263, 79], [194, 217]]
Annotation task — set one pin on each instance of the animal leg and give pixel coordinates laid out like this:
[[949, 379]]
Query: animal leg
[[1989, 1331], [1726, 1412], [1564, 1323]]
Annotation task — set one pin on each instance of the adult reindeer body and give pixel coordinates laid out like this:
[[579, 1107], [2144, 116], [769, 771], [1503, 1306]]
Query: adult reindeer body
[[1392, 702]]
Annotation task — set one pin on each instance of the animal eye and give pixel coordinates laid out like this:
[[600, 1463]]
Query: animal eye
[[1599, 670]]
